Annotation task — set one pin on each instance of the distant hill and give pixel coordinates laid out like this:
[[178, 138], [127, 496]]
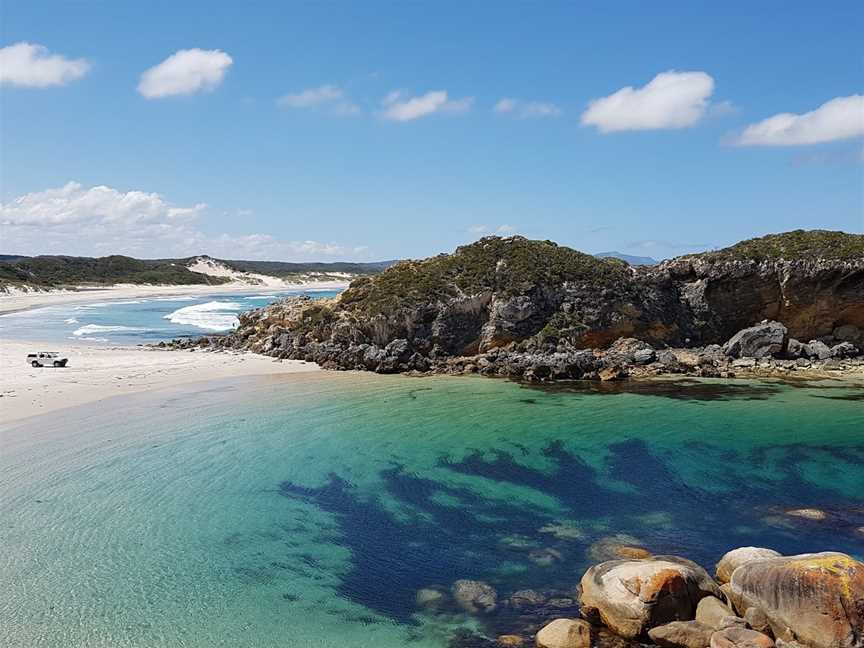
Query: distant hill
[[282, 268], [50, 271], [629, 258]]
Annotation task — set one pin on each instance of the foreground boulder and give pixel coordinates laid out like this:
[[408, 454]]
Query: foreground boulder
[[732, 560], [682, 634], [740, 638], [565, 633], [761, 341], [815, 599], [633, 596], [712, 612]]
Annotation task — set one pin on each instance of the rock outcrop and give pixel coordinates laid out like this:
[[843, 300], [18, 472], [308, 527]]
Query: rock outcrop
[[682, 634], [805, 601], [764, 340], [632, 596], [815, 599], [740, 638], [536, 311], [565, 633], [732, 560]]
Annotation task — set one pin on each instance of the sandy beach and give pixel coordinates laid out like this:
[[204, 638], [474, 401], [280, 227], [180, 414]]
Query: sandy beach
[[96, 373], [16, 301]]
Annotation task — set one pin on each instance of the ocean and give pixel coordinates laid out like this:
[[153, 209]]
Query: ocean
[[308, 510], [138, 321]]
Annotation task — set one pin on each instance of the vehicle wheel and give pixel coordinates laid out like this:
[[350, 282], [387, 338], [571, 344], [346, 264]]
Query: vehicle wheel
[[35, 364], [58, 363]]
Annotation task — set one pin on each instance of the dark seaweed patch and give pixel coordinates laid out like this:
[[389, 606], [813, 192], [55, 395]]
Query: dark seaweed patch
[[688, 389], [857, 397], [393, 558]]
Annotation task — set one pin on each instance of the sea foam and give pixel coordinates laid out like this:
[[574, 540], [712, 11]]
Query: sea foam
[[212, 316], [87, 329]]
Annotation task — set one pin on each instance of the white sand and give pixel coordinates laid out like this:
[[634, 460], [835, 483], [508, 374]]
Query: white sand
[[96, 373], [16, 301]]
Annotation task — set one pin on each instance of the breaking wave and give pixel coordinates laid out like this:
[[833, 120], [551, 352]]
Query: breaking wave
[[88, 329], [212, 316]]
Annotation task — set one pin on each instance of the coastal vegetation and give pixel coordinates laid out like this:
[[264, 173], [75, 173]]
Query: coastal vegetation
[[797, 244], [51, 272], [506, 266], [63, 271]]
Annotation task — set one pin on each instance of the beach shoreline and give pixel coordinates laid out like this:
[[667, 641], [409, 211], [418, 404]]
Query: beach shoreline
[[97, 373], [21, 301]]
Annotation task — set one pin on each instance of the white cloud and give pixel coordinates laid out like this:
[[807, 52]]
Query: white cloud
[[478, 229], [33, 66], [505, 105], [838, 119], [74, 219], [527, 109], [185, 72], [325, 95], [432, 102], [506, 230], [311, 97], [670, 100]]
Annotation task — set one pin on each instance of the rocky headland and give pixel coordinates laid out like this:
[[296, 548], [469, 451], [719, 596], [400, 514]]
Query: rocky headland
[[780, 305]]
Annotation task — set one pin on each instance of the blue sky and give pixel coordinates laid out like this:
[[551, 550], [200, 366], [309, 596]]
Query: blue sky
[[233, 168]]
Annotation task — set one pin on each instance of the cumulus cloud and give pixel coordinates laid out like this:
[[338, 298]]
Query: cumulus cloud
[[838, 119], [100, 220], [33, 66], [527, 109], [185, 72], [437, 101], [325, 95], [670, 100]]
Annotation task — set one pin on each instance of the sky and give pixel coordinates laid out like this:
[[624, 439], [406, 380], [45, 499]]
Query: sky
[[380, 130]]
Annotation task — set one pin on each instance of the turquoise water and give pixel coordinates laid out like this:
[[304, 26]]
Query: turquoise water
[[138, 321], [307, 510]]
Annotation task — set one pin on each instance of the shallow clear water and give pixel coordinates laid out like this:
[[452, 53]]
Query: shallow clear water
[[138, 321], [307, 510]]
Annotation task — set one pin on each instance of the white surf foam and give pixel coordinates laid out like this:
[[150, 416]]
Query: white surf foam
[[212, 316], [87, 329], [71, 320]]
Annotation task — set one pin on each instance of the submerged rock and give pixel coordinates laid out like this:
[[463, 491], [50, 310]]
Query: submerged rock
[[475, 597], [526, 598], [617, 547], [545, 557], [565, 633], [633, 596], [429, 598], [817, 599], [808, 514]]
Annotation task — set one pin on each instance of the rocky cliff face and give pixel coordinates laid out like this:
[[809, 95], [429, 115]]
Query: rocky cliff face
[[517, 299]]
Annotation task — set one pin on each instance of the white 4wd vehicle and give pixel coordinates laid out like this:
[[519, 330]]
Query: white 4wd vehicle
[[47, 359]]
